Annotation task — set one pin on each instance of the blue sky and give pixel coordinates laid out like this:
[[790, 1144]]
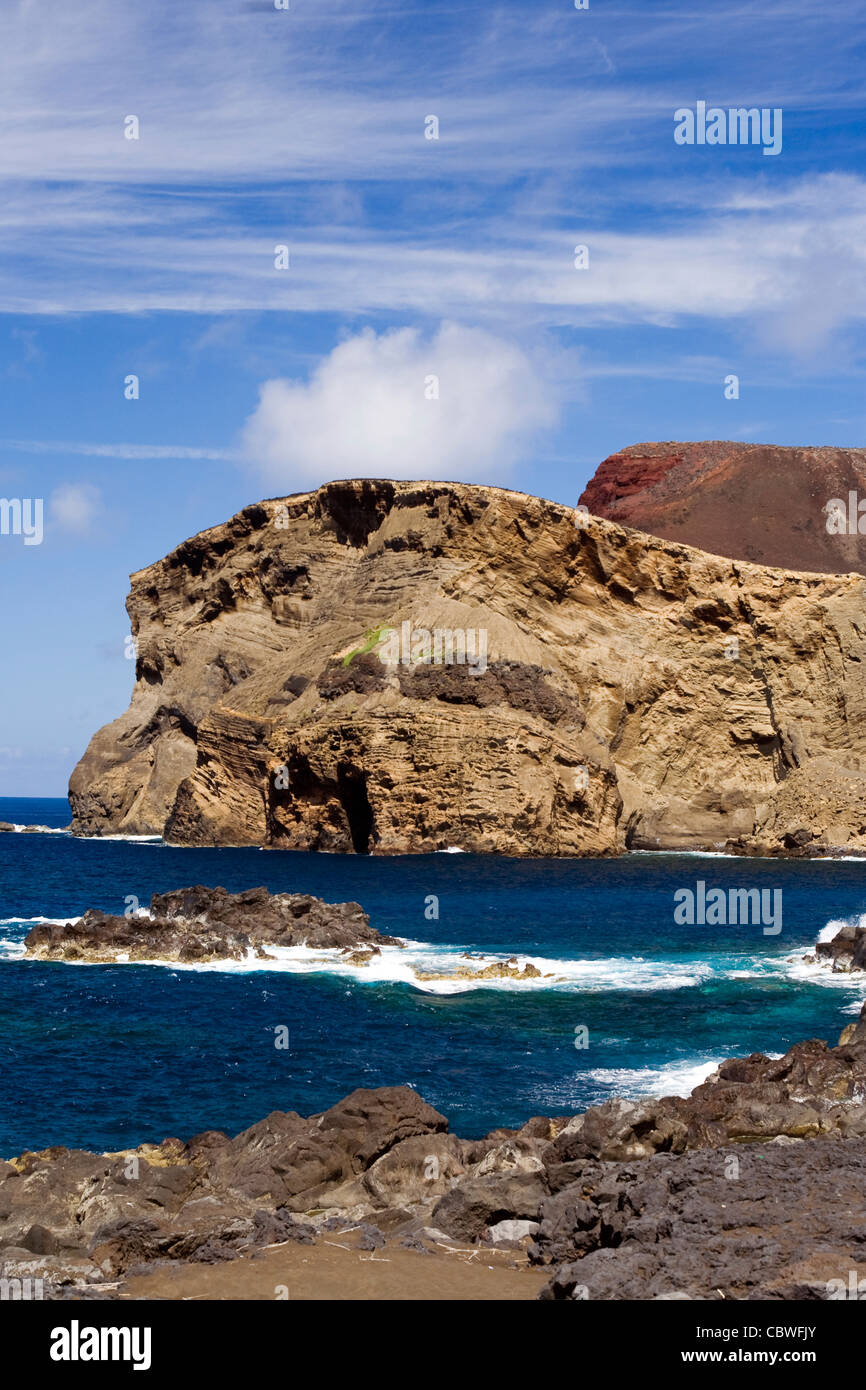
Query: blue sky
[[409, 258]]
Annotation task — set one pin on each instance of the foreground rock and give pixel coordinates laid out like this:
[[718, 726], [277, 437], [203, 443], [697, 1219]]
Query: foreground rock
[[770, 1222], [751, 1188], [209, 924], [633, 692]]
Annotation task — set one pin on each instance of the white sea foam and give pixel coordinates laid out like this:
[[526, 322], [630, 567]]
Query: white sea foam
[[683, 854], [396, 965], [66, 830], [838, 858], [817, 974], [40, 829], [675, 1079], [583, 976], [408, 966], [821, 972], [128, 839], [12, 947], [36, 921], [837, 923]]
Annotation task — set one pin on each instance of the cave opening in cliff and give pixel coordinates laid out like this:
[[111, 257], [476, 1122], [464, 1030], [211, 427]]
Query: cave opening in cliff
[[352, 791]]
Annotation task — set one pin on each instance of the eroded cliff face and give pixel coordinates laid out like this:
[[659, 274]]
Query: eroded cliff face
[[633, 692]]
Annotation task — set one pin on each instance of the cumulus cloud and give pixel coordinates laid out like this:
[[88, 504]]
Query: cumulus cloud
[[397, 405], [73, 506]]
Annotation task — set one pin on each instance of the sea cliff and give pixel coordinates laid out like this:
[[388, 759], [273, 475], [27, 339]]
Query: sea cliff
[[406, 667]]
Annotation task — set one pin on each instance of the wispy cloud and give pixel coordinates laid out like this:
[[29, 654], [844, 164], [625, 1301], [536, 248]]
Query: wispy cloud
[[136, 452], [789, 260], [306, 127]]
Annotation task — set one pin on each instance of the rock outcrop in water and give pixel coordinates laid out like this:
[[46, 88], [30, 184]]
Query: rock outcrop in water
[[751, 1188], [615, 690], [208, 924], [756, 502], [845, 952], [6, 827]]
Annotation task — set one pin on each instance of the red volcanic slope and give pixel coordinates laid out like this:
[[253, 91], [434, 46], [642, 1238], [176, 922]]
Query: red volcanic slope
[[754, 502]]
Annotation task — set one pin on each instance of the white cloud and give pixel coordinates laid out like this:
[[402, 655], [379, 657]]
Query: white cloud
[[73, 506], [369, 410]]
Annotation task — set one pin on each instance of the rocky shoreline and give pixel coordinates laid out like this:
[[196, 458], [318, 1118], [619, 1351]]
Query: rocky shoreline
[[751, 1188], [844, 953], [801, 844]]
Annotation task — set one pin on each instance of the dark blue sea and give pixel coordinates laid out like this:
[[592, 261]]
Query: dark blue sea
[[109, 1056]]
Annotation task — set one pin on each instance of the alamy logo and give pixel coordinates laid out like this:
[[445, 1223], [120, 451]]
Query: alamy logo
[[21, 1290], [845, 519], [738, 125], [855, 1288], [716, 908], [22, 516], [76, 1343], [439, 646]]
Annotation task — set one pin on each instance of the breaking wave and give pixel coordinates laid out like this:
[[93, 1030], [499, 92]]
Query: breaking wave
[[39, 829], [451, 970], [673, 1079]]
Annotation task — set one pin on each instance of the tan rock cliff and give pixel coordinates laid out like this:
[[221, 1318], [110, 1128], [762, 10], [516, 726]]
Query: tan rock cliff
[[634, 692]]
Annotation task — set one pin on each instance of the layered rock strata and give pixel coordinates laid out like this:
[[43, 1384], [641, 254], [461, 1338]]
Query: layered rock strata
[[605, 690]]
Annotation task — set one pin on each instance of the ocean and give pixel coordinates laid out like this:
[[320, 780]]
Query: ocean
[[105, 1057]]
